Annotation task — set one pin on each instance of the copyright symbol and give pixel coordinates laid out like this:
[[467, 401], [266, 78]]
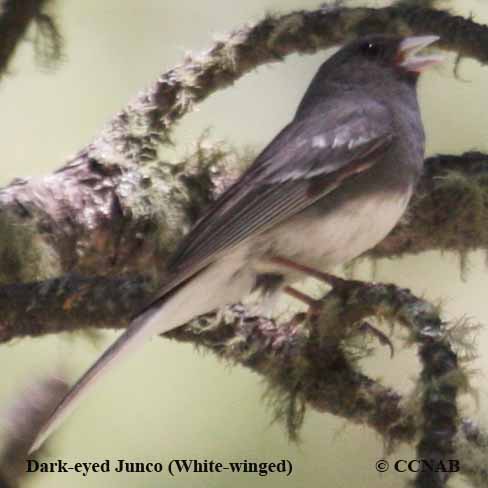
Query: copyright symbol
[[382, 466]]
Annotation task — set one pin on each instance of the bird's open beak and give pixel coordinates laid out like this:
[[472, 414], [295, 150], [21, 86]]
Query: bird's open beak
[[408, 49]]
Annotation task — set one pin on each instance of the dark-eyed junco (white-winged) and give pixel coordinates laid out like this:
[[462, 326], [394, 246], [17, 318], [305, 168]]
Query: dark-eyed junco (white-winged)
[[330, 186]]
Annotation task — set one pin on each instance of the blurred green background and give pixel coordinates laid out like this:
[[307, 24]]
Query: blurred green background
[[170, 401]]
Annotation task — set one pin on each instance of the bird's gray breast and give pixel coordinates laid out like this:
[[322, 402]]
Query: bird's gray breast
[[337, 228]]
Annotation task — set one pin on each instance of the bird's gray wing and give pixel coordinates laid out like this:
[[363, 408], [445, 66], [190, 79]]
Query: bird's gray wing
[[309, 158]]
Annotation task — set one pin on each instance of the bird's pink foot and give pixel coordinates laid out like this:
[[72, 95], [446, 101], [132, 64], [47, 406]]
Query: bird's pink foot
[[314, 306]]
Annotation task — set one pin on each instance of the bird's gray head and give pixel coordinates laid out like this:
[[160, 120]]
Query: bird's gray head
[[372, 63], [376, 54]]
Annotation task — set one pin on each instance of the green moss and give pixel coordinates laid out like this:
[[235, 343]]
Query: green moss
[[25, 255], [464, 225]]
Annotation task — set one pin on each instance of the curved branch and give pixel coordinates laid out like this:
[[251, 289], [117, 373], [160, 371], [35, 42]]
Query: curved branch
[[315, 364], [133, 135]]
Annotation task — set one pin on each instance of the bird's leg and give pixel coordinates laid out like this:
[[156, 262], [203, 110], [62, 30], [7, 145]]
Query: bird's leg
[[331, 280], [314, 306], [314, 312], [382, 338]]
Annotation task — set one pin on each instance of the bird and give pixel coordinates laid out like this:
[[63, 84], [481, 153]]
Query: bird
[[331, 185]]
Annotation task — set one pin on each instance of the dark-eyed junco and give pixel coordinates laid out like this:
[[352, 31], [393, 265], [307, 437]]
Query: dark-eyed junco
[[330, 185]]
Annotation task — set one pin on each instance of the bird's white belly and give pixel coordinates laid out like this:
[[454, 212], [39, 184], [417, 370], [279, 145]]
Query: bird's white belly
[[340, 235]]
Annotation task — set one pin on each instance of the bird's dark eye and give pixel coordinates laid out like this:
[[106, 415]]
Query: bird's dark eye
[[371, 49]]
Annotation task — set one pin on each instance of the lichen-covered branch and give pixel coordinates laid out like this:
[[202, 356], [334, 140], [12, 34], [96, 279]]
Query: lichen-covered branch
[[316, 364], [313, 363], [80, 249], [472, 450], [452, 198], [134, 134]]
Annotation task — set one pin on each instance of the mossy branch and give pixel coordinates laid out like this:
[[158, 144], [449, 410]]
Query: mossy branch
[[314, 363], [81, 250]]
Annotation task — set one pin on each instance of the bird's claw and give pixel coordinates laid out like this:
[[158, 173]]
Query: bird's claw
[[383, 339]]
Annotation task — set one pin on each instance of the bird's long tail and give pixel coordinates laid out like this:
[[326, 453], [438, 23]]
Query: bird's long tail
[[132, 337], [181, 300]]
